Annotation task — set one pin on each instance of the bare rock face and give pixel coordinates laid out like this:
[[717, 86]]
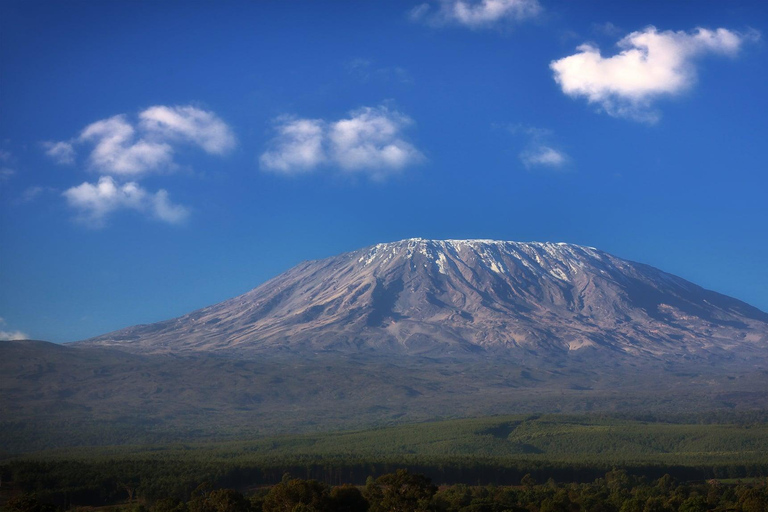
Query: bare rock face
[[463, 298]]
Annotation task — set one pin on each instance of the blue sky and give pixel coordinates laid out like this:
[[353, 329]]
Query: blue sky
[[157, 157]]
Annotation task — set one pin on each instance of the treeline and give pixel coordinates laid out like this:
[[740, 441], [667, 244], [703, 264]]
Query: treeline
[[106, 481], [404, 491]]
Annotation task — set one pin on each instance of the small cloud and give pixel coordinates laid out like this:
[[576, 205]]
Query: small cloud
[[96, 202], [124, 148], [191, 124], [13, 335], [298, 146], [63, 153], [5, 156], [542, 155], [420, 12], [369, 141], [539, 151], [476, 14], [119, 152], [651, 64]]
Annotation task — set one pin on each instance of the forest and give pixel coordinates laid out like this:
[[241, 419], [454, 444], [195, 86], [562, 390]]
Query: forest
[[403, 491], [527, 462]]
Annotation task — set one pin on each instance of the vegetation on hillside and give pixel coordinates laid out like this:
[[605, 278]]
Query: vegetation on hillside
[[497, 451], [403, 491]]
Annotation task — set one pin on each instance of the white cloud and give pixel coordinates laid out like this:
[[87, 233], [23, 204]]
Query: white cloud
[[117, 151], [541, 155], [539, 151], [189, 123], [476, 14], [368, 141], [298, 146], [651, 64], [96, 202], [124, 148], [62, 152], [13, 335]]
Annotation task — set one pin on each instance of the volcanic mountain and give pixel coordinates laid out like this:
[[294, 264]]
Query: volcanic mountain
[[464, 298], [398, 332]]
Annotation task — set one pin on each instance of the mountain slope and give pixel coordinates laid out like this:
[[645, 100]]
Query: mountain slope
[[465, 297]]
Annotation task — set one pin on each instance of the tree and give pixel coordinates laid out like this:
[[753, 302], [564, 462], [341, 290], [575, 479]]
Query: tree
[[169, 505], [527, 481], [307, 495], [754, 500], [400, 492], [348, 498], [228, 500]]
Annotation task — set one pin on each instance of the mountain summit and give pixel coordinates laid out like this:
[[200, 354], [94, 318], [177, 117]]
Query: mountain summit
[[466, 297]]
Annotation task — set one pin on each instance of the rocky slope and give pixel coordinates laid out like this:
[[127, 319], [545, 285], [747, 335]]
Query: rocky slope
[[467, 297]]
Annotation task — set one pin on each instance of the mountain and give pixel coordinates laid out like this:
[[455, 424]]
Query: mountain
[[400, 332], [464, 298]]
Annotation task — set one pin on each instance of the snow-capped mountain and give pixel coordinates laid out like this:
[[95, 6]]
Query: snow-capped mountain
[[466, 297]]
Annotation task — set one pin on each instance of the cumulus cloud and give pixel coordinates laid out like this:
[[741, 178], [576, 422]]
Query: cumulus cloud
[[475, 14], [96, 202], [124, 149], [368, 141], [650, 64], [61, 152], [298, 146], [121, 147], [191, 124], [117, 151]]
